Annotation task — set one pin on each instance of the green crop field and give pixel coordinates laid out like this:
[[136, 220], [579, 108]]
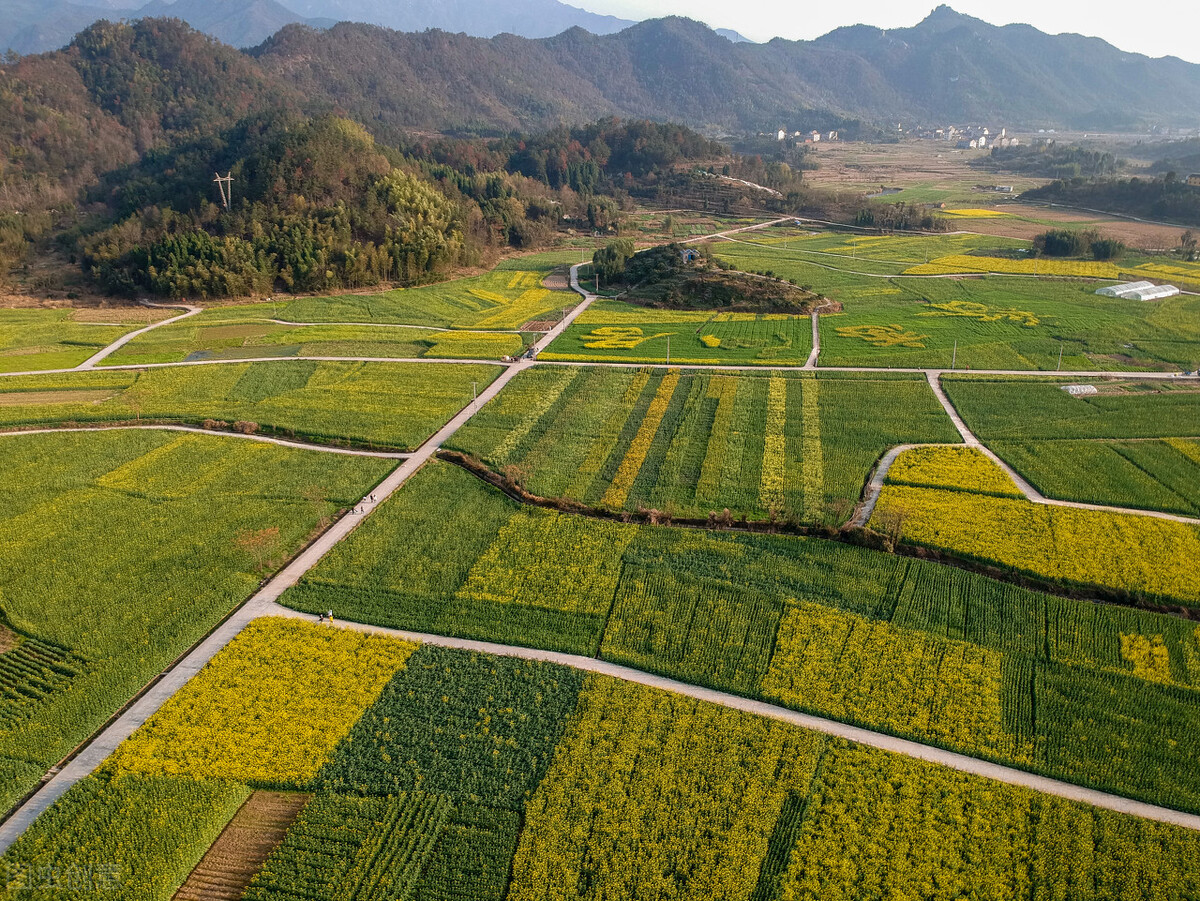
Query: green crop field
[[232, 333], [615, 331], [694, 442], [33, 340], [997, 321], [1022, 410], [491, 779], [1146, 475], [394, 405], [1100, 695], [120, 551], [505, 298], [1132, 445]]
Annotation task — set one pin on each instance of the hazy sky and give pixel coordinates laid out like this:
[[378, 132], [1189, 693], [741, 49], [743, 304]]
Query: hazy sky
[[1153, 27]]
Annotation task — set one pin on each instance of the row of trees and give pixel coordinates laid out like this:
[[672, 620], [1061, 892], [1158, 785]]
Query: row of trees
[[1068, 243], [1168, 198]]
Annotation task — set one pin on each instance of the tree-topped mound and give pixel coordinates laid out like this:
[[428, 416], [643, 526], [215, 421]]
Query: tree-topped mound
[[680, 277]]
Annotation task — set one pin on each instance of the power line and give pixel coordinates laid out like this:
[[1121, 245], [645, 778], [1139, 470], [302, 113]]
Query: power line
[[225, 186]]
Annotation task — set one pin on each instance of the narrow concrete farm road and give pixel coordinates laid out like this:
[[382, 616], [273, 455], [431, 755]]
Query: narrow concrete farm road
[[811, 363], [95, 752], [91, 362], [213, 433], [916, 750], [879, 476]]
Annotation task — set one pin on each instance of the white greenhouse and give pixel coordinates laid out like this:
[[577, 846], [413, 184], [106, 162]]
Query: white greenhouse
[[1139, 291]]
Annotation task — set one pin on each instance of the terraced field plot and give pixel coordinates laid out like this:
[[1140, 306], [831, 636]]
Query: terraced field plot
[[1132, 445], [694, 442], [615, 331], [503, 299], [1106, 696], [553, 784], [32, 340], [998, 322], [231, 333], [393, 405], [120, 551]]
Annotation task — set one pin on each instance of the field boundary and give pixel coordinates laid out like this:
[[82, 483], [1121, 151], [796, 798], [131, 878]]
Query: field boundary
[[215, 433]]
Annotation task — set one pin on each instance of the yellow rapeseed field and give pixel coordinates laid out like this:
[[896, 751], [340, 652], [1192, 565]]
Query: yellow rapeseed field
[[970, 264], [771, 491], [901, 680], [1140, 554], [269, 708], [618, 491], [955, 467], [658, 796], [975, 214]]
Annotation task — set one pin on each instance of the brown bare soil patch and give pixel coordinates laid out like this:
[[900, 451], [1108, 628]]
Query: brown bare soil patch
[[558, 280], [81, 396], [240, 851], [8, 639], [539, 325], [121, 315], [243, 330]]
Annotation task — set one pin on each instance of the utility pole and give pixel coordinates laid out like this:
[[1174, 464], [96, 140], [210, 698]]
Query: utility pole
[[1060, 352], [954, 359], [474, 393], [668, 350], [225, 186]]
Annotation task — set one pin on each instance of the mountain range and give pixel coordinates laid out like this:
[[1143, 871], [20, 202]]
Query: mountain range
[[35, 26], [948, 69]]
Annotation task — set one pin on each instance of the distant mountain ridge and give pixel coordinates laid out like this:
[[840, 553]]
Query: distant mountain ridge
[[36, 26], [948, 69]]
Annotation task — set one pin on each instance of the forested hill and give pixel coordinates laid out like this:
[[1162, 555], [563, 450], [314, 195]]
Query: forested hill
[[109, 150], [949, 68]]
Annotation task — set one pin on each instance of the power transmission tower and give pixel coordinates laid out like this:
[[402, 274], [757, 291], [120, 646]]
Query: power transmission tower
[[225, 186]]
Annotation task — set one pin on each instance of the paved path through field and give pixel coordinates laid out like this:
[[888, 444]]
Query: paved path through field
[[213, 433], [866, 737], [876, 482], [91, 362]]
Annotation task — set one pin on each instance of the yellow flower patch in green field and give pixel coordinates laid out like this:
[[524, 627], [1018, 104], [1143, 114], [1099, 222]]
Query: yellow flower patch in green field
[[957, 468], [269, 708], [619, 338], [883, 335], [1149, 655], [970, 310], [902, 680]]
